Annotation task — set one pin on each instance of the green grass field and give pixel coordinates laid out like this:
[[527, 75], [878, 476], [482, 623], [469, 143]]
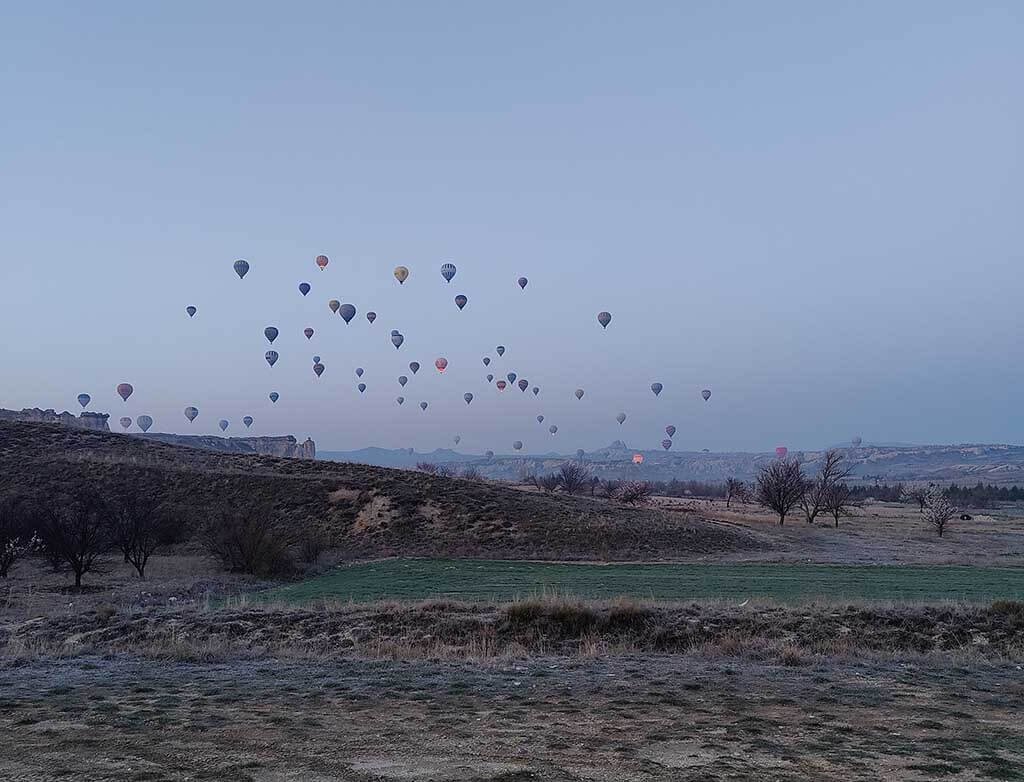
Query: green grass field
[[482, 580]]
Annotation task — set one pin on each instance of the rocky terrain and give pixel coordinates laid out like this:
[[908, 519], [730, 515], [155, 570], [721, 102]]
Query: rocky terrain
[[286, 447], [94, 421]]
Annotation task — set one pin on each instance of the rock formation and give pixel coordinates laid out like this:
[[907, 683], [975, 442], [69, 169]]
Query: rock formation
[[286, 447], [94, 421]]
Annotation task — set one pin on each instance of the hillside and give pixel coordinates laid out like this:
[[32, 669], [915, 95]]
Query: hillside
[[366, 511]]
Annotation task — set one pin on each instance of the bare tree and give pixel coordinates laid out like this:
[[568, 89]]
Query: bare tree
[[918, 494], [574, 477], [780, 485], [16, 535], [471, 473], [139, 525], [608, 489], [938, 510], [735, 490], [428, 467], [247, 542], [445, 471], [76, 532], [634, 492], [550, 482], [839, 501], [816, 491]]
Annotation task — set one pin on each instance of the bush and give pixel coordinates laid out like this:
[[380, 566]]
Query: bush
[[634, 492], [549, 483], [472, 474], [76, 532], [311, 546], [608, 489], [248, 542], [427, 467], [574, 477], [17, 538]]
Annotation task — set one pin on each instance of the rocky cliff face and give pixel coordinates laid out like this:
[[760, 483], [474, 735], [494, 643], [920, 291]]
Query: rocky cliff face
[[94, 421], [286, 447]]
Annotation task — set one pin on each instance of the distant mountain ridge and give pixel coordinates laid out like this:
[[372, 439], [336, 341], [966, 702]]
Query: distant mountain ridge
[[965, 463]]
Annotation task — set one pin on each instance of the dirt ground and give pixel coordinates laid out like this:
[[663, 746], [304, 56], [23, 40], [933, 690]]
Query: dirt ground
[[618, 718]]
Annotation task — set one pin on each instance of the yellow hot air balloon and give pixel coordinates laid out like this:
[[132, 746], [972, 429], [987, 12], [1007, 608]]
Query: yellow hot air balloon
[[401, 274]]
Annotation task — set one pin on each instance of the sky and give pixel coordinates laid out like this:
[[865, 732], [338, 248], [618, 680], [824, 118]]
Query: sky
[[812, 209]]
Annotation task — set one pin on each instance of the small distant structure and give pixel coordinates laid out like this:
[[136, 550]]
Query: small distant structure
[[966, 517], [638, 458]]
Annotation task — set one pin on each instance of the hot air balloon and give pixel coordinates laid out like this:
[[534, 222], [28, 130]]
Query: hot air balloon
[[401, 274], [460, 301], [468, 397], [536, 390], [553, 429], [274, 396], [191, 311], [361, 387], [271, 356], [241, 268], [359, 371], [490, 377], [414, 366], [223, 424], [518, 445], [126, 422], [706, 393], [580, 453], [656, 388], [371, 316], [489, 454], [670, 430], [402, 380], [621, 418], [781, 451], [448, 271], [540, 419], [318, 369], [335, 305], [666, 444], [125, 390], [579, 393], [511, 377], [523, 384], [308, 332], [144, 422], [316, 359], [604, 318], [84, 400], [441, 364], [502, 385], [347, 312], [270, 333], [397, 340], [423, 405], [304, 288], [856, 440], [400, 400], [487, 361], [322, 261], [500, 350], [191, 413], [523, 282], [247, 421], [638, 458]]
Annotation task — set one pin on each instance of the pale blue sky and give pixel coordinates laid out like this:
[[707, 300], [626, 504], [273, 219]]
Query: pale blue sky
[[814, 209]]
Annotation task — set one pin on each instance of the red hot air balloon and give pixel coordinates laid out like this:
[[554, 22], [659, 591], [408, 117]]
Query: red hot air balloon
[[322, 261], [501, 385], [441, 364], [781, 451], [638, 458]]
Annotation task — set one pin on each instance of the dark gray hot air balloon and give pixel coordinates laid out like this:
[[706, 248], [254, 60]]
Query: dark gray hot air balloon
[[402, 380], [523, 384], [670, 430], [371, 316], [414, 366], [666, 444], [423, 405], [270, 333], [458, 439], [318, 369], [274, 396], [308, 332], [361, 387], [191, 413], [540, 419], [490, 377], [580, 453], [334, 305], [359, 371], [305, 288], [126, 422], [144, 422], [397, 340], [347, 312], [487, 361], [500, 350], [248, 420], [489, 454], [621, 418], [84, 400], [518, 445], [241, 268], [536, 390], [706, 393], [856, 441], [316, 359], [468, 397], [523, 282], [604, 318], [460, 301], [271, 356], [579, 393], [400, 400], [511, 376], [125, 390], [223, 424], [553, 429], [448, 271], [656, 388], [191, 311]]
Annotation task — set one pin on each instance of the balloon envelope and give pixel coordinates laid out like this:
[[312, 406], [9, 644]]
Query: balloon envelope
[[781, 451], [191, 413], [518, 445], [84, 400], [856, 440], [441, 364], [487, 361], [270, 333], [125, 390], [523, 384], [489, 454], [448, 271], [656, 388], [502, 385], [361, 387], [670, 430], [247, 421], [706, 393], [490, 377], [423, 405], [414, 366], [308, 332], [666, 444], [579, 393], [402, 380], [397, 340], [511, 377], [359, 371], [553, 429], [271, 356], [401, 274], [126, 422], [274, 396], [604, 318], [223, 424], [621, 417], [460, 301], [347, 312], [334, 304], [144, 422], [322, 261], [191, 311], [304, 288], [400, 400], [241, 268], [540, 419], [500, 350], [318, 369], [638, 458], [371, 316], [536, 390], [522, 282], [316, 359], [468, 397]]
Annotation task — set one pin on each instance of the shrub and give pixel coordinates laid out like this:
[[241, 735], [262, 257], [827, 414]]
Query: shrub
[[16, 535], [248, 542], [472, 474], [311, 546], [574, 477], [634, 492], [608, 489], [76, 532], [549, 483], [427, 467]]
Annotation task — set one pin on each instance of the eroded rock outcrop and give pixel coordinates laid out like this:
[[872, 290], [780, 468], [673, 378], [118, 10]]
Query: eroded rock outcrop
[[94, 421], [286, 447]]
